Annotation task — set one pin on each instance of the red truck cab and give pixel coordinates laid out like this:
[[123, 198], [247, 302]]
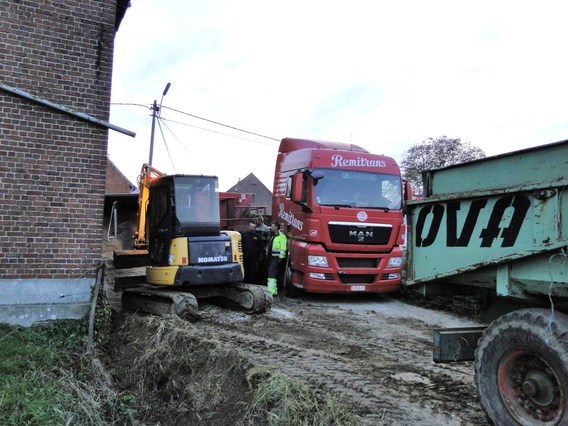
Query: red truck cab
[[341, 208]]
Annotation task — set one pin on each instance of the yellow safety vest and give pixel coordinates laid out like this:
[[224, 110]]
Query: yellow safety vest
[[279, 246]]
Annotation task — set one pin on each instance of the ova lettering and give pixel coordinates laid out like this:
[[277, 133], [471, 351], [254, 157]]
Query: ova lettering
[[462, 237]]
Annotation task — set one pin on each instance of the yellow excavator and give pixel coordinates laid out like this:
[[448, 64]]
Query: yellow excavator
[[188, 257]]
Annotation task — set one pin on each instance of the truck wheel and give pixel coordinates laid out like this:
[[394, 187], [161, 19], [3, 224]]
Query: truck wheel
[[289, 289], [521, 368]]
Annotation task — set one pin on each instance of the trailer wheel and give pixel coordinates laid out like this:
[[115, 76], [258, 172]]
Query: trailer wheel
[[521, 368]]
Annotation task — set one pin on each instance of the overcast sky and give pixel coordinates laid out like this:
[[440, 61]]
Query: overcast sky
[[380, 74]]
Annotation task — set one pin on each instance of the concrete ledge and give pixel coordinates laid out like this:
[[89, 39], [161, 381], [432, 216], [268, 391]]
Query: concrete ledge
[[23, 302], [26, 315]]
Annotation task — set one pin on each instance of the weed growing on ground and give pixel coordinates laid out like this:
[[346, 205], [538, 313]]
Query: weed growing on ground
[[30, 392], [47, 379], [281, 400]]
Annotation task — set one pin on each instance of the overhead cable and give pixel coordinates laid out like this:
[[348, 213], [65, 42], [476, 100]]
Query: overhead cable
[[166, 144], [221, 124], [214, 131]]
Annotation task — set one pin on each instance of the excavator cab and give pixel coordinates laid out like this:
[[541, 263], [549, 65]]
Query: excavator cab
[[185, 243], [180, 206]]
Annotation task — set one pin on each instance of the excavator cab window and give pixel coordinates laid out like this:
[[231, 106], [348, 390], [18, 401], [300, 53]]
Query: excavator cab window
[[196, 200]]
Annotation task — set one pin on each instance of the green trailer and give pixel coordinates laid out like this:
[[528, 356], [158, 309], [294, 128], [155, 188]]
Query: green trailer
[[498, 227]]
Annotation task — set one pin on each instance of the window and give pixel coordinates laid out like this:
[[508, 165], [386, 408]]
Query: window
[[349, 188]]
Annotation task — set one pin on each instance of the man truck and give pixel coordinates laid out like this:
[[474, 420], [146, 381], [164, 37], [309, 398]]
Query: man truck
[[342, 211], [497, 227]]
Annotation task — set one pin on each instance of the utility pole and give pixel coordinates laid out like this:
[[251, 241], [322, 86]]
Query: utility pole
[[155, 112]]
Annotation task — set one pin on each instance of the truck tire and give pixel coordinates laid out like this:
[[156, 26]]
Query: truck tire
[[521, 368], [289, 289]]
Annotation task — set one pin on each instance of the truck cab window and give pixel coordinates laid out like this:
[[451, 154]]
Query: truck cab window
[[358, 190]]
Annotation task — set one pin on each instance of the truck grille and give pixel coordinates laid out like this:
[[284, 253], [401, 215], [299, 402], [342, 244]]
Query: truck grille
[[356, 279], [353, 262], [356, 233]]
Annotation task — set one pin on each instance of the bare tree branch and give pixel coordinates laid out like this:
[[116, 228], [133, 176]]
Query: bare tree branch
[[434, 154]]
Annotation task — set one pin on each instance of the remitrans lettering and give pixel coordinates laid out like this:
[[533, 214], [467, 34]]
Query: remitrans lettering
[[289, 218], [338, 161], [211, 259]]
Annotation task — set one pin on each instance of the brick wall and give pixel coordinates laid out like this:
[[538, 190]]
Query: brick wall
[[52, 165]]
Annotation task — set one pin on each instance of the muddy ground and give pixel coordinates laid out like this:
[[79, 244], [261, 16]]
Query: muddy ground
[[376, 352], [373, 352]]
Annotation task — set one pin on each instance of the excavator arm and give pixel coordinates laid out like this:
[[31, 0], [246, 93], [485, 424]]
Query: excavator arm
[[147, 175]]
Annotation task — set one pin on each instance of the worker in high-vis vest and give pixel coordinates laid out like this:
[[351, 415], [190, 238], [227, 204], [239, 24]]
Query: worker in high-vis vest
[[277, 254]]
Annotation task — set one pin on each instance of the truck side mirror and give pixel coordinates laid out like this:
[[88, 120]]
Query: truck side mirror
[[296, 194], [316, 176]]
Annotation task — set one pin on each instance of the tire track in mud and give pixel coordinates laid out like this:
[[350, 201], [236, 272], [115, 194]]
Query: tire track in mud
[[388, 380]]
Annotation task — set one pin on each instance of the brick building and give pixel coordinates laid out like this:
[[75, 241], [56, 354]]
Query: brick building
[[55, 85]]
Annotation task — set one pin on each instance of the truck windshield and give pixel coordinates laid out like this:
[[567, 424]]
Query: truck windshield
[[346, 188]]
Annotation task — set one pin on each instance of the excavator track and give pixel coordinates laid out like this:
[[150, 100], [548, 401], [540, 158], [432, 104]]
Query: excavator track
[[254, 299], [161, 302], [250, 298]]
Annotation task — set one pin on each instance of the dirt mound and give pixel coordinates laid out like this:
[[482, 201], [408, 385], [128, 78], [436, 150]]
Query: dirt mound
[[178, 374]]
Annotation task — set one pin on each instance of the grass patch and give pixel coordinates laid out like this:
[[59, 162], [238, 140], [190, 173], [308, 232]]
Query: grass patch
[[47, 379], [30, 392], [156, 370], [280, 400]]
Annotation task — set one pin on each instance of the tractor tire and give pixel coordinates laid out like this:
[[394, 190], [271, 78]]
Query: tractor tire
[[521, 368]]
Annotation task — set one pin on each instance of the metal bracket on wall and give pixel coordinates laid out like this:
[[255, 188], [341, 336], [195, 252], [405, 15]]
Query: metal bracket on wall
[[64, 109]]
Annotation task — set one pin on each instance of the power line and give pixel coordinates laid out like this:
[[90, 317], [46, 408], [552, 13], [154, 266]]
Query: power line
[[202, 128], [131, 104], [221, 124], [163, 122], [166, 144], [214, 131]]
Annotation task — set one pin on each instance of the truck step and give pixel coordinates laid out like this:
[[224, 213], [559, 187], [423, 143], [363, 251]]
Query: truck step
[[456, 344]]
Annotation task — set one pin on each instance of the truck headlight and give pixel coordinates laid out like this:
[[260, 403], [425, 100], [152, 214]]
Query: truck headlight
[[320, 261], [317, 276], [394, 262], [170, 259]]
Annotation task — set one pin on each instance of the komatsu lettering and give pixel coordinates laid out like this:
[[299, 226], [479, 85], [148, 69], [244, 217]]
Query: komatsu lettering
[[212, 259], [338, 161]]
